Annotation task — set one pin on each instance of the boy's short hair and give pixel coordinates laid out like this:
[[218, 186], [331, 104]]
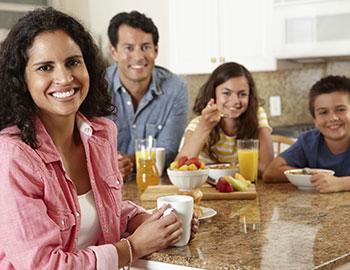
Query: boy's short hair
[[328, 85]]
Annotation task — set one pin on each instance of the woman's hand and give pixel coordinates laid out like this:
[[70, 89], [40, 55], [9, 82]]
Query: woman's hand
[[195, 225], [156, 232]]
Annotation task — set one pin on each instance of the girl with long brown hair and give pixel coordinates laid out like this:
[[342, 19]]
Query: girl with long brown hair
[[228, 109]]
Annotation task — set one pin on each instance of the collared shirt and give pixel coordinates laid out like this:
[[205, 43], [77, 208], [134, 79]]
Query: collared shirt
[[39, 207], [311, 150], [162, 112]]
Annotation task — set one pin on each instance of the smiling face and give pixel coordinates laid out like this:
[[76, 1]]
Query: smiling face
[[232, 96], [135, 54], [332, 115], [56, 75]]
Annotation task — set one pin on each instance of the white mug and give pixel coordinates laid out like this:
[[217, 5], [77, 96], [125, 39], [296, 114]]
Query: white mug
[[160, 159], [182, 206]]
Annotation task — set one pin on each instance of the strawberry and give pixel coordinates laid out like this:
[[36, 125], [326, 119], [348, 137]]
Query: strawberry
[[223, 185], [182, 161], [196, 161]]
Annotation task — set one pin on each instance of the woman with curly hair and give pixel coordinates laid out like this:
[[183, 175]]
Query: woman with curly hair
[[60, 203], [228, 109]]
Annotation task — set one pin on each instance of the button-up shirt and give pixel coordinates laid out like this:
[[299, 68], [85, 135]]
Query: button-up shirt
[[162, 112], [39, 208]]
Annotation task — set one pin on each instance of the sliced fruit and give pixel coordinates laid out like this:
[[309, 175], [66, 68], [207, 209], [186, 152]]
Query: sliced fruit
[[219, 183], [237, 184], [223, 185], [192, 167], [194, 160], [182, 161], [174, 165], [183, 168], [240, 177]]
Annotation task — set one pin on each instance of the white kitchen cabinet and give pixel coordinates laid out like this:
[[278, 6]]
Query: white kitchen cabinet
[[96, 16], [197, 35], [207, 33], [311, 28]]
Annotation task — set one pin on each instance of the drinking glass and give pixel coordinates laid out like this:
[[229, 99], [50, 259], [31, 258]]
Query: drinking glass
[[145, 156], [144, 148], [248, 158]]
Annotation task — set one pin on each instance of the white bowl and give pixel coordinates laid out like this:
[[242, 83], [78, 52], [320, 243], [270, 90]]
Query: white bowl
[[188, 180], [215, 174], [302, 181]]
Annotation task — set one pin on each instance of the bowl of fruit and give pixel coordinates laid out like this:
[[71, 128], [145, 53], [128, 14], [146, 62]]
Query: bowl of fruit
[[221, 170], [187, 174]]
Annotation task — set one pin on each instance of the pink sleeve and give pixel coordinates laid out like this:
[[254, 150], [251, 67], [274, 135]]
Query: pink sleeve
[[107, 257], [129, 210]]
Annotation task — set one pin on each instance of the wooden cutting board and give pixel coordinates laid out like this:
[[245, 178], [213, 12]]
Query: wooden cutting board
[[152, 193]]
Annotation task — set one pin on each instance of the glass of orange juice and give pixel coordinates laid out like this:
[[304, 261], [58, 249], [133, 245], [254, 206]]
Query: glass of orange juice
[[145, 149], [145, 157], [248, 150]]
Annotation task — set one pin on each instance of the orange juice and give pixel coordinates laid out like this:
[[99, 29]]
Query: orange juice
[[248, 163], [144, 155], [147, 174]]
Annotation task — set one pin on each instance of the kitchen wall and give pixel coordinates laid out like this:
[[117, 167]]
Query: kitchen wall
[[291, 84]]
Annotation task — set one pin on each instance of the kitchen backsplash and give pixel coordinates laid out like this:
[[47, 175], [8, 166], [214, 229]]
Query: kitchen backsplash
[[292, 85]]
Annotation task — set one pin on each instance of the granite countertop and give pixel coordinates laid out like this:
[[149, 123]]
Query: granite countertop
[[284, 228]]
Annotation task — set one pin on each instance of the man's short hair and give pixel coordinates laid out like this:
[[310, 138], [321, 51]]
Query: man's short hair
[[327, 85], [133, 19]]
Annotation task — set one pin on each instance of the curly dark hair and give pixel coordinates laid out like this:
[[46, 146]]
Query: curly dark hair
[[327, 85], [16, 104], [133, 19], [248, 121]]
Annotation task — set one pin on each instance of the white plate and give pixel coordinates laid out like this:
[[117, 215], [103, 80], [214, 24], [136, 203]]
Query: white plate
[[207, 212]]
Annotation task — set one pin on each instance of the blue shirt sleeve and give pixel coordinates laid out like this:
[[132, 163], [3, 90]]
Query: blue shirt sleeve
[[295, 156], [304, 152]]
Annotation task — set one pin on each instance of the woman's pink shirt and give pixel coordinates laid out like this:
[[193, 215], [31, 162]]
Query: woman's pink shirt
[[39, 209]]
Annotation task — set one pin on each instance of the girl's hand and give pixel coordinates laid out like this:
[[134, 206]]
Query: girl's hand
[[325, 183], [211, 115], [195, 225], [155, 233]]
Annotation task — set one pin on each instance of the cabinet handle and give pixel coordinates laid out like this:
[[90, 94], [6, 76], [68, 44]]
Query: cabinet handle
[[213, 59], [222, 59]]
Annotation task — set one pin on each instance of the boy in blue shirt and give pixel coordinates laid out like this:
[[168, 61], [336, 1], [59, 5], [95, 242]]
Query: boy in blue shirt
[[326, 147]]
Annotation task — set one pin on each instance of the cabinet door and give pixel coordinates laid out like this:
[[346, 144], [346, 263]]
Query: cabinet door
[[193, 36], [245, 33]]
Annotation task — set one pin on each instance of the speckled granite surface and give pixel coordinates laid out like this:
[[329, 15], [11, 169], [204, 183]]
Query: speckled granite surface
[[284, 228]]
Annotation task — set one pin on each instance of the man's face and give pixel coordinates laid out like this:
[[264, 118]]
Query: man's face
[[332, 115], [135, 54]]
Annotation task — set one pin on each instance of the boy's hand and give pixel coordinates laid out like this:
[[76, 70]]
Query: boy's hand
[[325, 183]]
